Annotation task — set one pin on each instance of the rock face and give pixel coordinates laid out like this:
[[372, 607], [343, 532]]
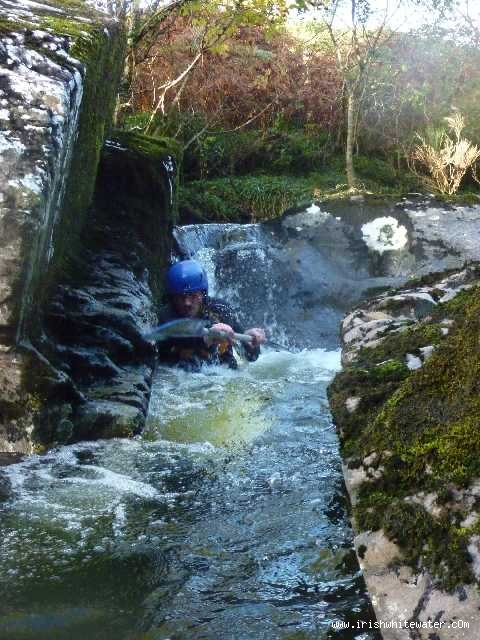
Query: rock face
[[52, 122], [92, 324], [320, 262], [406, 408]]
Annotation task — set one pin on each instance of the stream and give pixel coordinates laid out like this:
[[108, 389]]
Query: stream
[[225, 520]]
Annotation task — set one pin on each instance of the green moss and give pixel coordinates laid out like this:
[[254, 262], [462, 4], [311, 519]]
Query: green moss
[[397, 345], [79, 31], [249, 198], [424, 426], [6, 26], [77, 6], [378, 372], [152, 147], [435, 544], [373, 386], [443, 548], [72, 18], [378, 170], [438, 405], [455, 308], [102, 53], [142, 207]]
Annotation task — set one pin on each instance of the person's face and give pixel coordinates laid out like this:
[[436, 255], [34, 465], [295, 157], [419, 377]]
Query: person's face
[[188, 305]]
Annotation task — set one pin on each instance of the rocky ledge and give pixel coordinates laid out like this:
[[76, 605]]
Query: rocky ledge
[[98, 379], [54, 57], [406, 406]]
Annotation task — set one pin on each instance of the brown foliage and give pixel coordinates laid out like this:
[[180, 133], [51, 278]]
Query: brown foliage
[[250, 77]]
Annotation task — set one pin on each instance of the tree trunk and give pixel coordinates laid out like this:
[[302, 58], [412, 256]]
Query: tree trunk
[[126, 84], [351, 177]]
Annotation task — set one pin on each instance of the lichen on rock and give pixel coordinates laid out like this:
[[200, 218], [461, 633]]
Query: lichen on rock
[[412, 445], [52, 122]]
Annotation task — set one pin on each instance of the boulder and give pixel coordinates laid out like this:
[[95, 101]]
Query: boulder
[[406, 409], [53, 56]]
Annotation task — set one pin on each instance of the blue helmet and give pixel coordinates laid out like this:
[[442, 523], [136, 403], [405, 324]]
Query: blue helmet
[[186, 276]]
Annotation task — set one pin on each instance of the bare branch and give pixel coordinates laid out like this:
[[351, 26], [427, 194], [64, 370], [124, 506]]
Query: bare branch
[[169, 85]]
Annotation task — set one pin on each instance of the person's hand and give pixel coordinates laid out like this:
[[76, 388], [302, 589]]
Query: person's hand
[[226, 331], [258, 336]]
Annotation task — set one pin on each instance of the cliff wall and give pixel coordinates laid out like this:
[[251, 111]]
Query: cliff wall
[[60, 63], [406, 409]]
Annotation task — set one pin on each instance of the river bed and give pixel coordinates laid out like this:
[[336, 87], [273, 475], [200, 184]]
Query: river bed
[[224, 520]]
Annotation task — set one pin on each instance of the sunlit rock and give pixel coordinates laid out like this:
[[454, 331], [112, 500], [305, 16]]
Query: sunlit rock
[[52, 122]]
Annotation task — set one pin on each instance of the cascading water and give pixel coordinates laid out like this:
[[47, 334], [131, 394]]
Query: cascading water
[[225, 520]]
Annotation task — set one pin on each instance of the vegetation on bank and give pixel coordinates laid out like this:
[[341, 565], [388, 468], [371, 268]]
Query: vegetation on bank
[[422, 428], [245, 92], [252, 175], [263, 196]]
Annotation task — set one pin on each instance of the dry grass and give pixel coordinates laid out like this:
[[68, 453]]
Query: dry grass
[[447, 159]]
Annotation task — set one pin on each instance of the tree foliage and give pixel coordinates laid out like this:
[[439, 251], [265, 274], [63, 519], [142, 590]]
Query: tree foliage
[[419, 79], [206, 71], [212, 24], [253, 77]]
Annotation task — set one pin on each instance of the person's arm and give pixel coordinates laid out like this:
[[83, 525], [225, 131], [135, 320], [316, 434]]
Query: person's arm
[[227, 322]]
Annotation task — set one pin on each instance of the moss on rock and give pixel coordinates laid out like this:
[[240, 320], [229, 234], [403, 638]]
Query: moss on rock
[[145, 205], [101, 49], [423, 427]]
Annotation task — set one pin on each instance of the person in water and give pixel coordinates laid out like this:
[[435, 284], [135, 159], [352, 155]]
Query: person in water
[[187, 291]]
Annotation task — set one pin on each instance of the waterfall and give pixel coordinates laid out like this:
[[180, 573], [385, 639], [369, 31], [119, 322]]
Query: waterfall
[[241, 269]]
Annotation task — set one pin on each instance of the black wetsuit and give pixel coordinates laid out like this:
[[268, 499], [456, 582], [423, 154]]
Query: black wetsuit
[[191, 353]]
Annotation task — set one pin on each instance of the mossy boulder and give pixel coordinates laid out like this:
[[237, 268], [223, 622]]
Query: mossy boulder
[[60, 62], [406, 407], [413, 432], [94, 320], [145, 206]]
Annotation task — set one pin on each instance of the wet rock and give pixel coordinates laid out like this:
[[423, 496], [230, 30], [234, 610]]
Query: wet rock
[[5, 488], [56, 420], [107, 419], [396, 311], [95, 321], [320, 261], [102, 347], [52, 118]]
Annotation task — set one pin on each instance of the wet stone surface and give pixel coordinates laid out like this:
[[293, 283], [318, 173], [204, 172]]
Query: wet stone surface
[[387, 342], [39, 107], [313, 265], [42, 90]]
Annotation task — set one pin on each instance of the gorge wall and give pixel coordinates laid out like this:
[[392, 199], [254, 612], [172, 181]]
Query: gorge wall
[[60, 65], [80, 276], [406, 410]]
